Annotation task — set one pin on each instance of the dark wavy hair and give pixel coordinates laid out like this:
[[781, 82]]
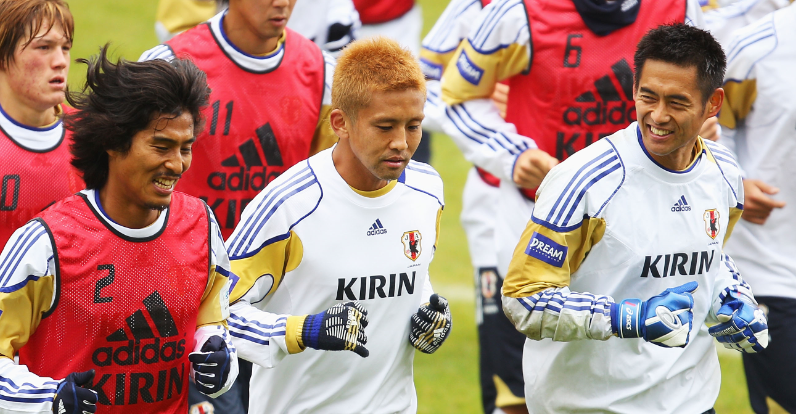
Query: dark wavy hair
[[121, 99], [684, 46]]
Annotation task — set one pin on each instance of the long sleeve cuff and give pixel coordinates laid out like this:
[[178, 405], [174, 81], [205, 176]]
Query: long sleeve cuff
[[293, 331]]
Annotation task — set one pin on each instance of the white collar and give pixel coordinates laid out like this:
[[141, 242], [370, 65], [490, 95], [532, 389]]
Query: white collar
[[146, 232], [257, 64], [32, 138]]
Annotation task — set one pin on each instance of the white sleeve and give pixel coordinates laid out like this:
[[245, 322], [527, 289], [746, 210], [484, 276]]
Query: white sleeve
[[342, 25], [24, 392], [330, 64], [259, 336], [219, 263], [26, 259], [561, 315], [161, 51], [693, 14], [477, 128], [485, 139], [434, 108]]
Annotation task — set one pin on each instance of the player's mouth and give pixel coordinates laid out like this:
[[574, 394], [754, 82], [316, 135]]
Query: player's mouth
[[659, 133], [164, 186], [279, 20], [395, 162], [58, 82]]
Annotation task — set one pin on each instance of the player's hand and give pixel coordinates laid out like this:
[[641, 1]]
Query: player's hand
[[431, 324], [212, 365], [758, 205], [742, 326], [72, 398], [531, 167], [500, 96], [664, 320], [339, 328], [710, 129]]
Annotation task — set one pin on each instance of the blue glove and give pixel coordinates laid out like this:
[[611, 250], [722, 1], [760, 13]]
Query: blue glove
[[212, 365], [339, 328], [665, 319], [72, 398], [742, 326], [431, 325]]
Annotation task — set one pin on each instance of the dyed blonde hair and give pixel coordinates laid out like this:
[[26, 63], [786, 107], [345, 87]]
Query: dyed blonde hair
[[372, 65], [21, 20]]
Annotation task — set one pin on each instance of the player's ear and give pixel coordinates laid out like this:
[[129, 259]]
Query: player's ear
[[340, 123], [714, 103]]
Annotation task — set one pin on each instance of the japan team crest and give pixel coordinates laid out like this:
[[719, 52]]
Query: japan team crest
[[712, 226], [411, 241]]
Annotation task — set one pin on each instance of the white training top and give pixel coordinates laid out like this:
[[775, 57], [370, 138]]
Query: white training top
[[759, 120], [344, 246], [611, 221]]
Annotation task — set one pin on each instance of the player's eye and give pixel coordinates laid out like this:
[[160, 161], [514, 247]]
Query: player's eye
[[414, 127], [161, 148], [384, 127]]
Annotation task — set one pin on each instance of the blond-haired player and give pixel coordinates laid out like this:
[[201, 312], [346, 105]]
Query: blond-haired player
[[355, 222]]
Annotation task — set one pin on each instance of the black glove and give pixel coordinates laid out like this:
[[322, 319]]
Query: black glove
[[341, 327], [211, 365], [431, 325], [72, 398]]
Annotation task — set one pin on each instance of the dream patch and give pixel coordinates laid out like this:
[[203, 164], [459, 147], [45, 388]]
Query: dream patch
[[546, 250]]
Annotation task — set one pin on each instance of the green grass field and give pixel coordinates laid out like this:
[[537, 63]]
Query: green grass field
[[447, 382]]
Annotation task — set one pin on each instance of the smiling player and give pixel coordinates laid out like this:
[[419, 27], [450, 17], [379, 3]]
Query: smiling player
[[122, 288], [643, 211]]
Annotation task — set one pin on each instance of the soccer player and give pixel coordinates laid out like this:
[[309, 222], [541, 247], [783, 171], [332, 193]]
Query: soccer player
[[112, 298], [758, 119], [570, 83], [34, 62], [604, 222], [269, 102], [356, 222], [500, 345]]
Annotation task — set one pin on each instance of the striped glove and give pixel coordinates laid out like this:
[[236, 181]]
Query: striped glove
[[743, 325], [431, 325], [664, 320], [339, 328]]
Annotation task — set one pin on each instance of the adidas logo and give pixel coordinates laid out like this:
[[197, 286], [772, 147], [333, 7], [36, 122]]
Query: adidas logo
[[613, 107], [251, 172], [681, 205], [142, 346], [376, 228]]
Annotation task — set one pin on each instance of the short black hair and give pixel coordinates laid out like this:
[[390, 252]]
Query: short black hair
[[684, 46], [121, 99]]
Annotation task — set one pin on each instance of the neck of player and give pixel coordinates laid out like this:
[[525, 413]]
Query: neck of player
[[23, 113], [354, 173], [245, 38], [679, 159], [124, 211]]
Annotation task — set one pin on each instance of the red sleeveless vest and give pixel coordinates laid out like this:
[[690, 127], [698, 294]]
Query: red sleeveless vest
[[33, 180], [258, 124], [382, 11], [124, 308], [580, 85]]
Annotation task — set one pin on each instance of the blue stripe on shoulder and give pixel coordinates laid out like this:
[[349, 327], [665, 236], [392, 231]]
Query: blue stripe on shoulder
[[302, 180], [492, 21], [614, 167], [572, 181], [20, 248]]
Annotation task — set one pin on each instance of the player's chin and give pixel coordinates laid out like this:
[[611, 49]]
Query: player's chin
[[390, 173], [159, 203]]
